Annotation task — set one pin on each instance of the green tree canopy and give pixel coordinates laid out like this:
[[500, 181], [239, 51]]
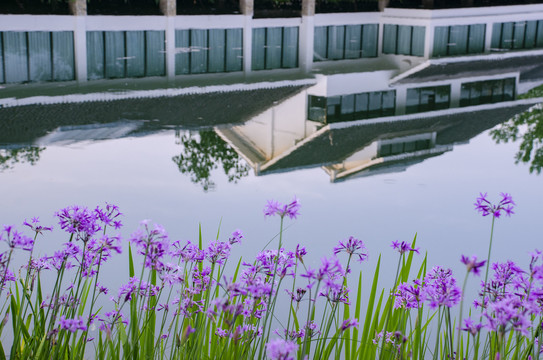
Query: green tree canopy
[[528, 128], [202, 153]]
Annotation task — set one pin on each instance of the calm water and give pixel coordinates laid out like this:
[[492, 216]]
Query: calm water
[[433, 199]]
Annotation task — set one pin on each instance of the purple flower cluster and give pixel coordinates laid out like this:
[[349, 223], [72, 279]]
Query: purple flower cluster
[[152, 242], [485, 207], [280, 349], [511, 298], [408, 296], [276, 208], [72, 325], [437, 289]]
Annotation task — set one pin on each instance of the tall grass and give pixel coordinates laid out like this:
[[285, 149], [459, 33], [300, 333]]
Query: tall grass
[[191, 301]]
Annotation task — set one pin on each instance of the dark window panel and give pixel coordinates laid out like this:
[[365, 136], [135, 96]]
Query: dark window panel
[[441, 39], [95, 55], [476, 40], [182, 52], [39, 56], [135, 53], [417, 47], [353, 41], [507, 35], [63, 56], [404, 39], [274, 48], [458, 40], [495, 42], [336, 42], [198, 51], [217, 51], [530, 34], [390, 39], [234, 49], [259, 49], [370, 34], [15, 57], [518, 35], [155, 64], [2, 80], [115, 54], [290, 47], [320, 43]]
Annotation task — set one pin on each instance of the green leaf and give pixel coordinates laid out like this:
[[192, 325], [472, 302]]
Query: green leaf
[[131, 271], [365, 334]]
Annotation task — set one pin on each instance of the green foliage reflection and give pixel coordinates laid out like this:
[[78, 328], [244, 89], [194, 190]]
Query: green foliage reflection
[[10, 157], [528, 127], [202, 153]]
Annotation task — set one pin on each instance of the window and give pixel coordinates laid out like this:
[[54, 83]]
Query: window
[[486, 92], [36, 56], [459, 40], [402, 147], [403, 40], [427, 99], [275, 48], [517, 35], [352, 107], [208, 51], [345, 42], [120, 54]]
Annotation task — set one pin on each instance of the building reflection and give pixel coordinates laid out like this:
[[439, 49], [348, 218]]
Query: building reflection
[[355, 94]]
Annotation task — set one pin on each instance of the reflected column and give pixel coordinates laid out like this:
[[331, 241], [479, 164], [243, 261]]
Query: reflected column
[[307, 31], [79, 9], [169, 9], [246, 7]]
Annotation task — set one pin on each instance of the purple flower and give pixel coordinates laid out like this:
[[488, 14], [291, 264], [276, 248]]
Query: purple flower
[[471, 327], [188, 253], [72, 325], [38, 229], [440, 288], [349, 323], [276, 208], [15, 239], [485, 207], [280, 349], [236, 237], [109, 215], [352, 246], [78, 221], [506, 313], [472, 264], [403, 247], [153, 243], [218, 252], [408, 296], [300, 253]]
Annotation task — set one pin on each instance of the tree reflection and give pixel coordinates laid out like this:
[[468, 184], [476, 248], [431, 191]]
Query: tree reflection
[[10, 157], [202, 153], [528, 127]]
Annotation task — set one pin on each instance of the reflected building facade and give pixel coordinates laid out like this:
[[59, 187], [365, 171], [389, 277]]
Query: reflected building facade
[[63, 48], [356, 94]]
